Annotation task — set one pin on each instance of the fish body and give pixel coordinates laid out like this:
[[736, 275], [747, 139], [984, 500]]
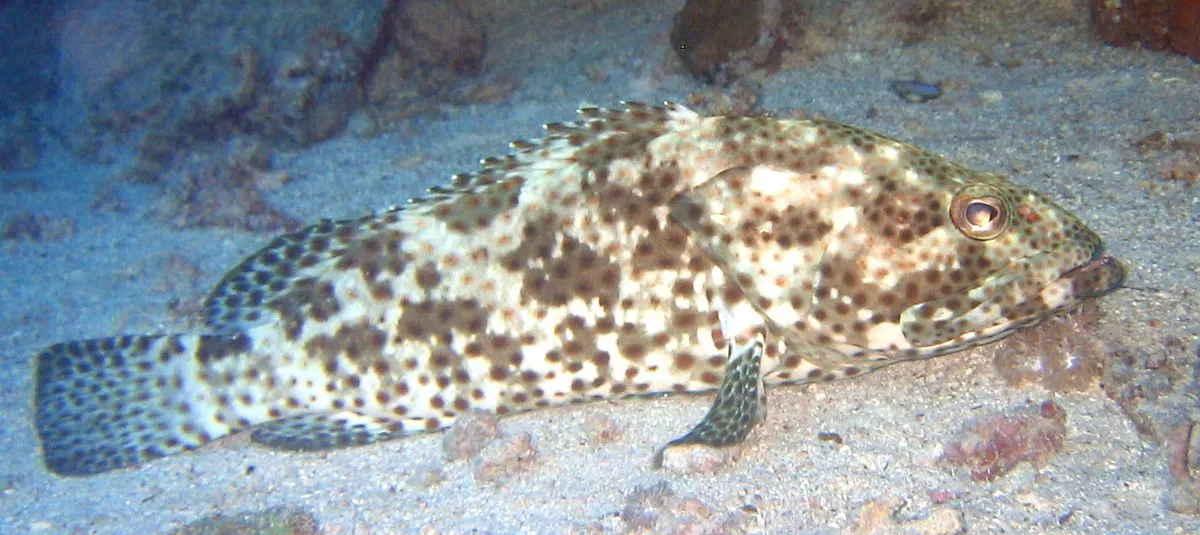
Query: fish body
[[626, 253]]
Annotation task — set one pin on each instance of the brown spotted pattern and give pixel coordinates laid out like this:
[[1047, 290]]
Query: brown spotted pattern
[[620, 255]]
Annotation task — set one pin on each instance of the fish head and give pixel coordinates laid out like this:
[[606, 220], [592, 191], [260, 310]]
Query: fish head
[[892, 262]]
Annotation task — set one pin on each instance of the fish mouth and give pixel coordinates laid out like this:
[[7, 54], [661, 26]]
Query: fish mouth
[[1095, 277]]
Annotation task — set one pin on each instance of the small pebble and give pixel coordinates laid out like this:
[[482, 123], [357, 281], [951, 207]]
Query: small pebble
[[601, 429], [991, 96], [696, 458], [829, 436], [426, 476], [470, 435], [502, 459], [364, 125], [644, 505], [916, 91]]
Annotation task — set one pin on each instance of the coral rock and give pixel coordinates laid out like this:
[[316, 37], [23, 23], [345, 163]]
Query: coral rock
[[1154, 24], [1185, 28], [221, 196], [722, 40], [423, 48], [437, 32]]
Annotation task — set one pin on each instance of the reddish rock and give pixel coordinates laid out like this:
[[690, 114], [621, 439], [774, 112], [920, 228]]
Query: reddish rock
[[1185, 28], [1000, 442], [1183, 488], [424, 48], [1154, 24], [720, 41]]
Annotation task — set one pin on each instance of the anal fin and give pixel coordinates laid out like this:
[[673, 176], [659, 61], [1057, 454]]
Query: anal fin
[[325, 430]]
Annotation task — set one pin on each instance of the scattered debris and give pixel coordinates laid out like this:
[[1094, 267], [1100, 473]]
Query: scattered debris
[[181, 278], [643, 505], [883, 516], [940, 496], [174, 273], [658, 509], [1155, 141], [1182, 167], [1180, 156], [998, 443]]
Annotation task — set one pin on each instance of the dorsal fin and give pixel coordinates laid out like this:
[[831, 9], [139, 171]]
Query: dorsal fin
[[571, 139]]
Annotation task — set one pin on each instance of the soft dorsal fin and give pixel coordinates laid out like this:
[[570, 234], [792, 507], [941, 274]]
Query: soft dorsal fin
[[242, 299]]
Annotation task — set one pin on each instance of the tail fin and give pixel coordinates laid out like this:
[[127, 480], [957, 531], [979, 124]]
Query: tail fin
[[108, 403]]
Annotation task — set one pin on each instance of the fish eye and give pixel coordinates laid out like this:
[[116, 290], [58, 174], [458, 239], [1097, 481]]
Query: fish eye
[[979, 212]]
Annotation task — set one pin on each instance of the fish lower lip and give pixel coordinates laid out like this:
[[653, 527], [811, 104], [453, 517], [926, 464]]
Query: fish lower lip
[[1095, 277]]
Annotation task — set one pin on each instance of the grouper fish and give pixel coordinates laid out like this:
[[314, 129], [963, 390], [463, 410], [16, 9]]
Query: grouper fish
[[634, 251]]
